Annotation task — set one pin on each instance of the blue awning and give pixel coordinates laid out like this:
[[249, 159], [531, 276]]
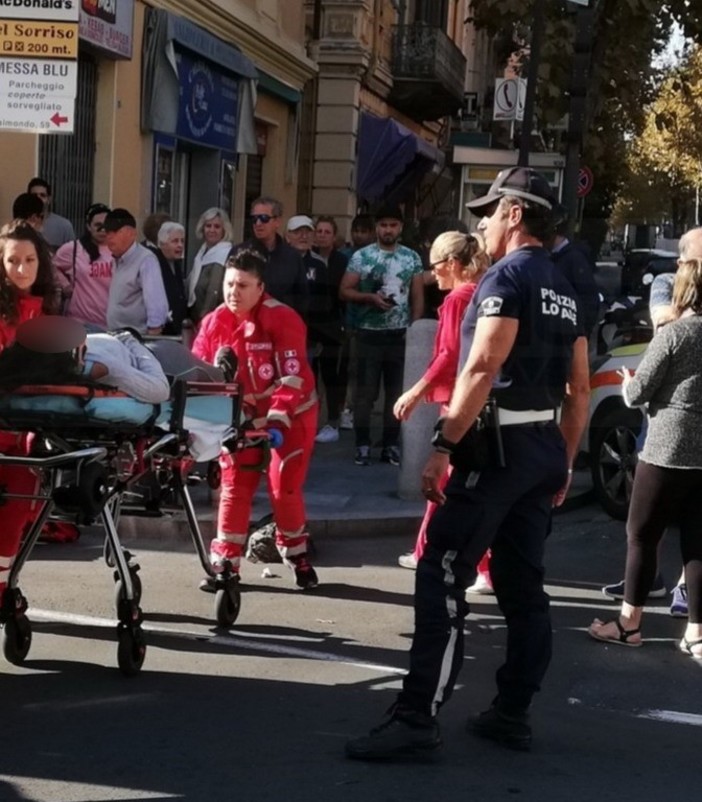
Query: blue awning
[[391, 159]]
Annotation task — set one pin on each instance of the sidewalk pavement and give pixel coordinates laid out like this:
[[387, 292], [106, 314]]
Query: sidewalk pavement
[[342, 499]]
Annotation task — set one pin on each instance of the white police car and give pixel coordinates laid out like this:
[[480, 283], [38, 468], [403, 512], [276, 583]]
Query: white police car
[[611, 437]]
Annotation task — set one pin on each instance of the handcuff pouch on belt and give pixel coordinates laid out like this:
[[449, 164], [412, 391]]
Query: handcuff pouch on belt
[[481, 446]]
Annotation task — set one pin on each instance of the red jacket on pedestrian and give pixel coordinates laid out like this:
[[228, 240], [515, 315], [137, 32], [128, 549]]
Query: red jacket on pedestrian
[[270, 344], [28, 306], [447, 344]]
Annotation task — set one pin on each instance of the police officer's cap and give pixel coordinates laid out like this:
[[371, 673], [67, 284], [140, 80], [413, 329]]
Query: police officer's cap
[[521, 182]]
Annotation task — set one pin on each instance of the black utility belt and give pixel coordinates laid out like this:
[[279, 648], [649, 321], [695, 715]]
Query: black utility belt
[[481, 446]]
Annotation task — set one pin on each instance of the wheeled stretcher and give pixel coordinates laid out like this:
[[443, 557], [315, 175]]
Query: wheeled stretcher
[[92, 448]]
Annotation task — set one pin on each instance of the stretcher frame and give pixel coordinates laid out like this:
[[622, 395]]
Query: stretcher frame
[[97, 492]]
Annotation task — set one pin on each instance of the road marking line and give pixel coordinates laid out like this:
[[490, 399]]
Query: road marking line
[[672, 717], [233, 640]]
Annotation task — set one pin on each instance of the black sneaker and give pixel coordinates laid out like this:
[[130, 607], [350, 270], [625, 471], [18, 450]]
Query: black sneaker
[[362, 455], [616, 591], [209, 583], [404, 734], [513, 732], [305, 575], [390, 454]]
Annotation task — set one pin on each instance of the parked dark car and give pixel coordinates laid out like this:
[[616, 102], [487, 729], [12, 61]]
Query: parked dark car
[[640, 261]]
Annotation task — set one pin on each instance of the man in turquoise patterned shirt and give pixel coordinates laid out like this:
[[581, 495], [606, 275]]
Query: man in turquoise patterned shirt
[[385, 280]]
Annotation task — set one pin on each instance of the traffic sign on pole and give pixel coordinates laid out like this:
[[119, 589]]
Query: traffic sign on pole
[[586, 181]]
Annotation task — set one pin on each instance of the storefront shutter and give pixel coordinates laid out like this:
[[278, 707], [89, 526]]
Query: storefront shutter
[[66, 161]]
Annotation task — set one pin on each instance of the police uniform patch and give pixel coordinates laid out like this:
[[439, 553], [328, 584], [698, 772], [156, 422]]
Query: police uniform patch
[[491, 306], [292, 366], [265, 371]]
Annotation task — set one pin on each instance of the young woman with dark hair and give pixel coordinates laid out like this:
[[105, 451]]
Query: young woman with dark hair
[[84, 270]]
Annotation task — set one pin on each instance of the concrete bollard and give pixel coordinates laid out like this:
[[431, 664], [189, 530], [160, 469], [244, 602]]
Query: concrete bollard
[[417, 431]]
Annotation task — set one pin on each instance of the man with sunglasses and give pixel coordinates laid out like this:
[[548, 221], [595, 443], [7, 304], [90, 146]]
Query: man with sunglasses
[[286, 278], [522, 348]]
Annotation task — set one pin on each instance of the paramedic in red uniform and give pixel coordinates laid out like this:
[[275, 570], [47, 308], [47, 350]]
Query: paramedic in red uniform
[[269, 340]]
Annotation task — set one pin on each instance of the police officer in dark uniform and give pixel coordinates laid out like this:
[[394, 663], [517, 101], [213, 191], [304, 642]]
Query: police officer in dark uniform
[[524, 367]]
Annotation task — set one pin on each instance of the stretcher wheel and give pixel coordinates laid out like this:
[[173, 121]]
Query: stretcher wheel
[[131, 650], [227, 605], [16, 639], [86, 498], [136, 587]]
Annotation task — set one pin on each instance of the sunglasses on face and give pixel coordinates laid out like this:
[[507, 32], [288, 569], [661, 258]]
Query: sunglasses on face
[[261, 218]]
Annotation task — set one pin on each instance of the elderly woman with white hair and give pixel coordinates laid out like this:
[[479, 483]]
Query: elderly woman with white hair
[[207, 274], [171, 247]]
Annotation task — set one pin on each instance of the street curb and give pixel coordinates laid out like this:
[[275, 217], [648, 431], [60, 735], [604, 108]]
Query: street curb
[[174, 526]]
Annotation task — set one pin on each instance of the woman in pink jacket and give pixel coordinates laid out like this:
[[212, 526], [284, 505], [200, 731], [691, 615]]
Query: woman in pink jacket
[[84, 271], [458, 261]]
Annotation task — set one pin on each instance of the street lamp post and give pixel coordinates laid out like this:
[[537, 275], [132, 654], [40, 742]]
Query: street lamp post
[[584, 30]]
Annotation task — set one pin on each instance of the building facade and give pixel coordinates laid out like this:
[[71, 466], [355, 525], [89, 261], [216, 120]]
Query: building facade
[[391, 76], [182, 105]]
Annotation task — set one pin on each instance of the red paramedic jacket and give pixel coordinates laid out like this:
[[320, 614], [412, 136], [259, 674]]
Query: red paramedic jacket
[[271, 348]]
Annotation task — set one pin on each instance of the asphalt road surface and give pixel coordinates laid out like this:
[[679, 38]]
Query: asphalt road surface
[[261, 712]]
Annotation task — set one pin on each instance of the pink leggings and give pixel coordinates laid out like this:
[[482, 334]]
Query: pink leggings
[[484, 564]]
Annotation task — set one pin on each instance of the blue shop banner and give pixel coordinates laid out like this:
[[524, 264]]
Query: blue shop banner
[[208, 103]]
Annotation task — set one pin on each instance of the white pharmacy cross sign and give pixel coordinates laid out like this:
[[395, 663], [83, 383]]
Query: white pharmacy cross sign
[[38, 65]]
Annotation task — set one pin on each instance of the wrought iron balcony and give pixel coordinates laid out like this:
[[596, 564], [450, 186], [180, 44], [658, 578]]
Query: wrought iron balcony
[[428, 71]]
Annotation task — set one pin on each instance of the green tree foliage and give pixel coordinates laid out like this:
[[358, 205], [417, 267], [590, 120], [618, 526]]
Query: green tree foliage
[[627, 35], [665, 160]]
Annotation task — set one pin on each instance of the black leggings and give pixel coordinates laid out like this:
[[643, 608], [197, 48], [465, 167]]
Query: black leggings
[[661, 497]]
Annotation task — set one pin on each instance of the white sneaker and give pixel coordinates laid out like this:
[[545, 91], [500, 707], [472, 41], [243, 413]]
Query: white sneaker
[[327, 434], [346, 419], [481, 585], [407, 560]]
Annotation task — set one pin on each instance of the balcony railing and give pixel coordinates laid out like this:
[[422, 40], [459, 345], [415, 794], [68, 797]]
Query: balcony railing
[[428, 71]]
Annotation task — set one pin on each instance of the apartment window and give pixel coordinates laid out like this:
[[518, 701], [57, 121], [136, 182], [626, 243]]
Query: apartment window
[[433, 12]]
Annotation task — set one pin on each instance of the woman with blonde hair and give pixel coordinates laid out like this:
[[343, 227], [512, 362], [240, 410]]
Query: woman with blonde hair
[[207, 273], [458, 261], [668, 481]]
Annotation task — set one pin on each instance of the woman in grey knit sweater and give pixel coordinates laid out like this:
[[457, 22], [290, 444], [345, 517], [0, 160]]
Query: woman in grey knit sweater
[[668, 481]]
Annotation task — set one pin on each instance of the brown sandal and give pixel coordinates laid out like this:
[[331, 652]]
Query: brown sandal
[[622, 639]]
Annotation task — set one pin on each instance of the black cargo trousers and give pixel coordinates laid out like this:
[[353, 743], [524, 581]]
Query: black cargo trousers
[[508, 510]]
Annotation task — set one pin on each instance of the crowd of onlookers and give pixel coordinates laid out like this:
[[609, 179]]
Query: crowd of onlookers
[[356, 298]]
